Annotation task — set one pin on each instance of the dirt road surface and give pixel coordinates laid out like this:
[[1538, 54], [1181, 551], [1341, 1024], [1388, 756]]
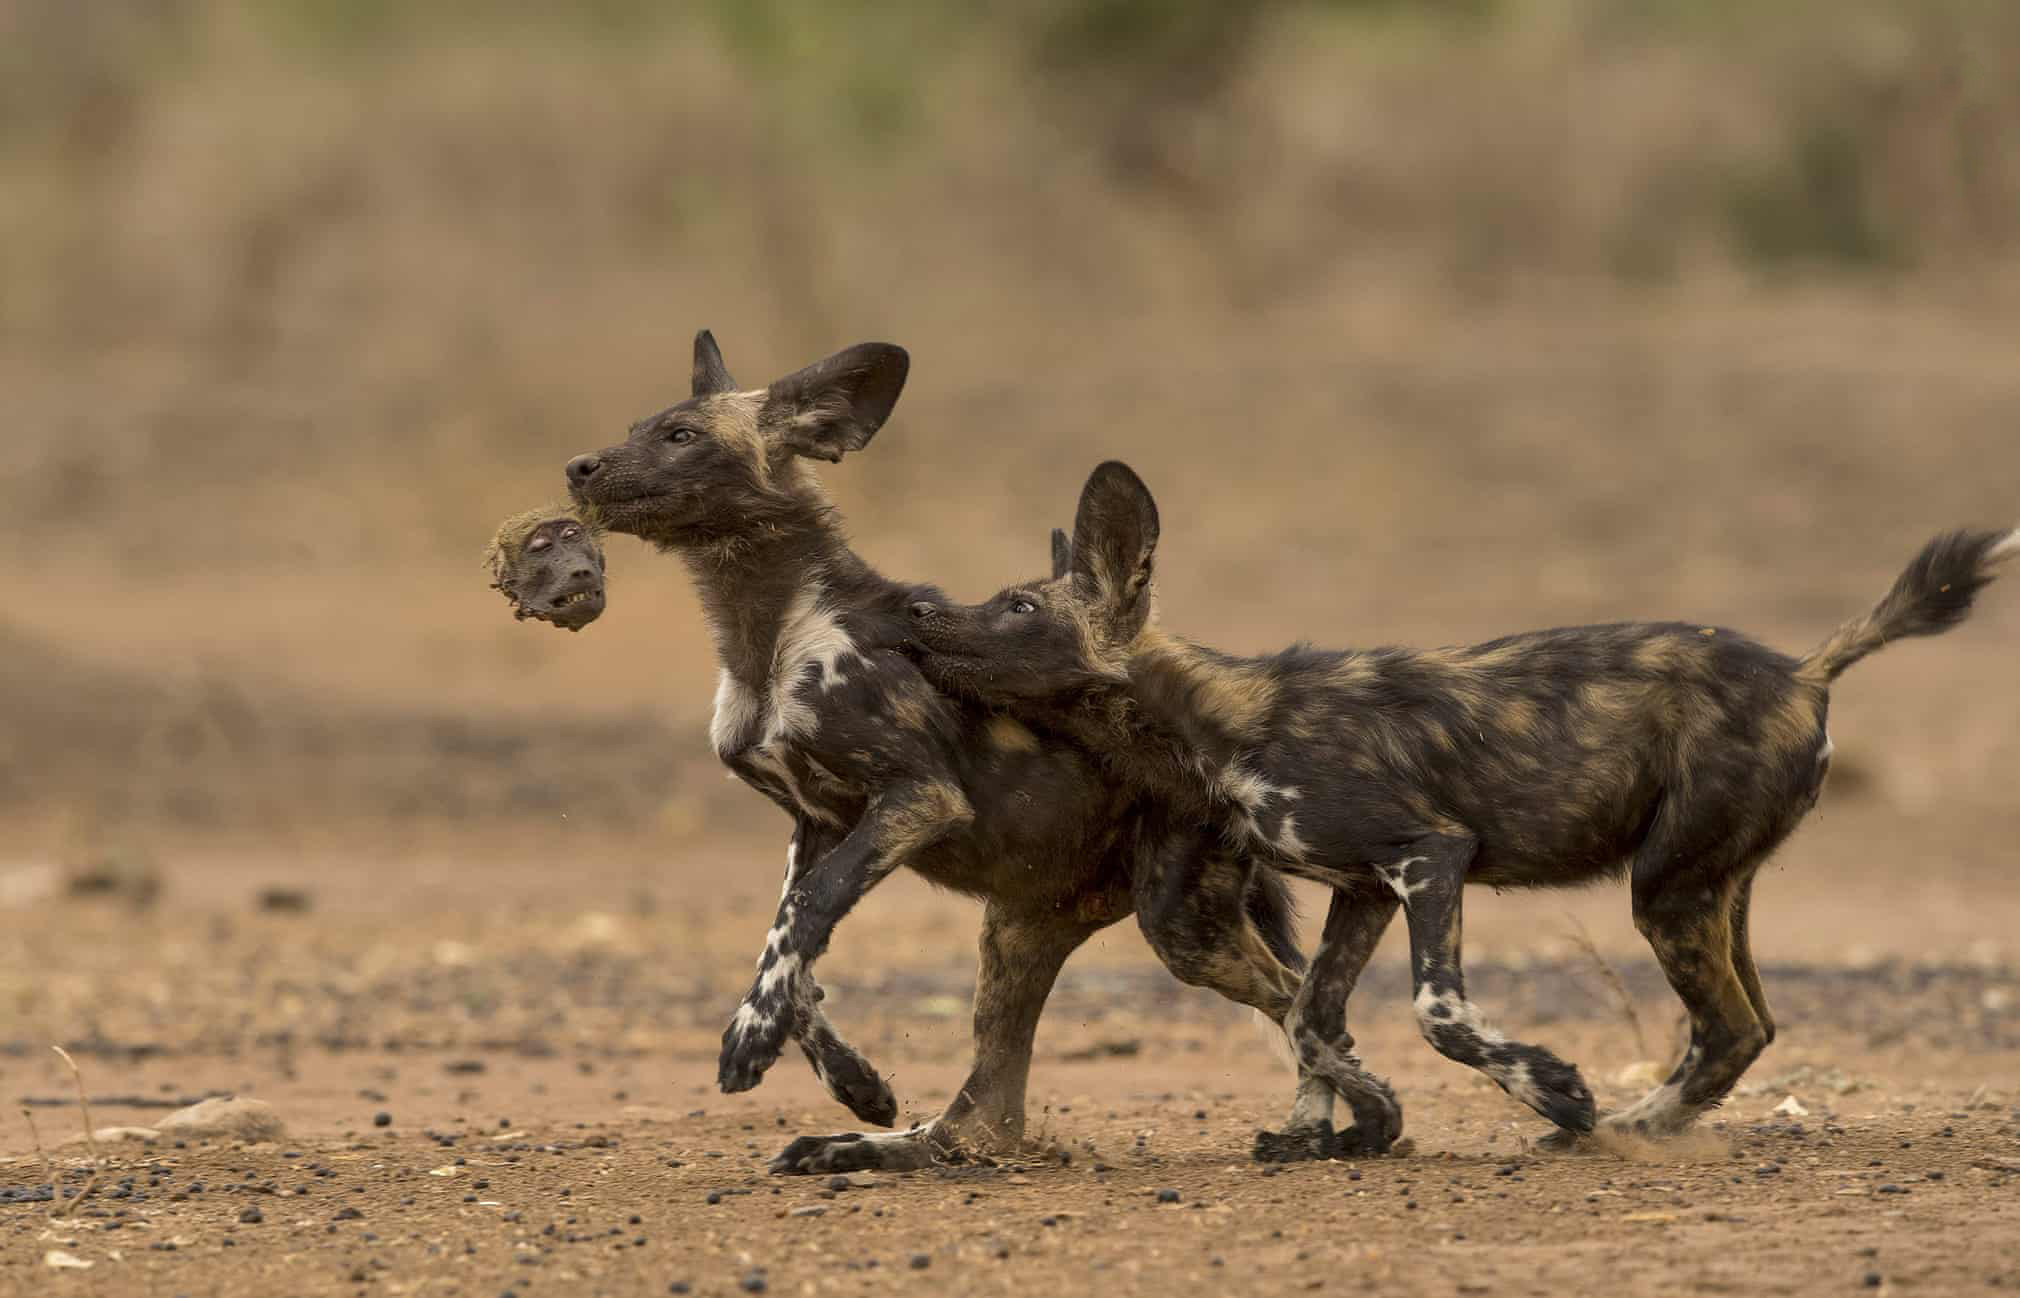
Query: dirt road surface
[[542, 1051]]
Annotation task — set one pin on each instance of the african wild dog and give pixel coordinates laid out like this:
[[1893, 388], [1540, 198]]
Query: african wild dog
[[1678, 754], [548, 563], [816, 708]]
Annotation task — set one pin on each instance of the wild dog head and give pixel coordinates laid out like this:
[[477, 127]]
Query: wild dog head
[[548, 563], [1052, 639], [726, 461]]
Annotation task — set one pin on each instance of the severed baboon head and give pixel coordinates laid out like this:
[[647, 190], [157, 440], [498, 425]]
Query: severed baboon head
[[548, 563]]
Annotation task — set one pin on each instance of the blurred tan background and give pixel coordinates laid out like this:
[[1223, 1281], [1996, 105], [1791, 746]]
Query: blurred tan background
[[1427, 322]]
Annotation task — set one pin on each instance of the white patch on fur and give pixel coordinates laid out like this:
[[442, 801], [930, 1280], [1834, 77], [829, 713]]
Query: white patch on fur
[[2004, 549], [1662, 1109], [809, 634], [736, 710], [784, 968], [1397, 876], [1824, 753], [1313, 1105], [1459, 1012], [1245, 788], [1516, 1080], [1288, 841]]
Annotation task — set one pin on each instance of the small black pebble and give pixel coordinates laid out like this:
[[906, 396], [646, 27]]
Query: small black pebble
[[251, 1216], [714, 1196], [838, 1183], [382, 1119], [678, 1286], [753, 1283], [920, 1261], [347, 1214], [1872, 1280], [1167, 1196]]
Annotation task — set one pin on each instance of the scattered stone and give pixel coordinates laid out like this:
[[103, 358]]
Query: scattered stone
[[111, 1135], [920, 1261], [286, 901], [1792, 1107], [808, 1210], [227, 1117], [347, 1214], [382, 1119], [63, 1261], [1167, 1196], [753, 1282], [251, 1216]]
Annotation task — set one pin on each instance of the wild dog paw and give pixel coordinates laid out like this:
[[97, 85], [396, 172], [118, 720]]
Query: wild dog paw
[[751, 1045], [1560, 1141], [1378, 1120], [850, 1078], [852, 1151], [1302, 1144], [1562, 1096]]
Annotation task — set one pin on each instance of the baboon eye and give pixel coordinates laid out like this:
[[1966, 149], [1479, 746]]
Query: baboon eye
[[570, 533], [1023, 606], [680, 436], [539, 543]]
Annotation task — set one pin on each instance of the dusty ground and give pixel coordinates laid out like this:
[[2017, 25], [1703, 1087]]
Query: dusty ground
[[544, 1047]]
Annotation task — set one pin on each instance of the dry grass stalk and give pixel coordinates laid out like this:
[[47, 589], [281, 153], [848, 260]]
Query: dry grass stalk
[[61, 1207]]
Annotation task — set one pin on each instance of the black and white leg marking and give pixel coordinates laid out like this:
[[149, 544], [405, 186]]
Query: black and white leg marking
[[842, 1069], [1430, 880], [1327, 1065], [781, 1000], [1021, 957]]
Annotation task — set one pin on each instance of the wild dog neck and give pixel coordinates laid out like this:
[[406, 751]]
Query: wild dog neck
[[751, 584], [1178, 727]]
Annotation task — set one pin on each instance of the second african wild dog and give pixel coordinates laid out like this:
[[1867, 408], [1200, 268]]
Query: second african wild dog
[[817, 709], [1678, 754]]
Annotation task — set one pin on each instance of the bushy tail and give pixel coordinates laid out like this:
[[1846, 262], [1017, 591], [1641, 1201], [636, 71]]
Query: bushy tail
[[1933, 595]]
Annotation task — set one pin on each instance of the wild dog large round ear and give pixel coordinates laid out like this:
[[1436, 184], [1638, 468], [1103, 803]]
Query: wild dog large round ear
[[1115, 535], [710, 374], [836, 405]]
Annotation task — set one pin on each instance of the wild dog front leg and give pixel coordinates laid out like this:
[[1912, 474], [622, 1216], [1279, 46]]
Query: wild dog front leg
[[1317, 1027], [1021, 957], [899, 822], [842, 1069], [1430, 877]]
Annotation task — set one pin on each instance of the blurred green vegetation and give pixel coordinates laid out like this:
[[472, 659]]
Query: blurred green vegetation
[[1823, 133]]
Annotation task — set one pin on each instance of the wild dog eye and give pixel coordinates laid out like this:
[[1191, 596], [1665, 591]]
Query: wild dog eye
[[680, 436], [1023, 606]]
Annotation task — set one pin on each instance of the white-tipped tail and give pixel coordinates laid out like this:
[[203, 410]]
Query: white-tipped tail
[[1280, 1045], [2005, 549]]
